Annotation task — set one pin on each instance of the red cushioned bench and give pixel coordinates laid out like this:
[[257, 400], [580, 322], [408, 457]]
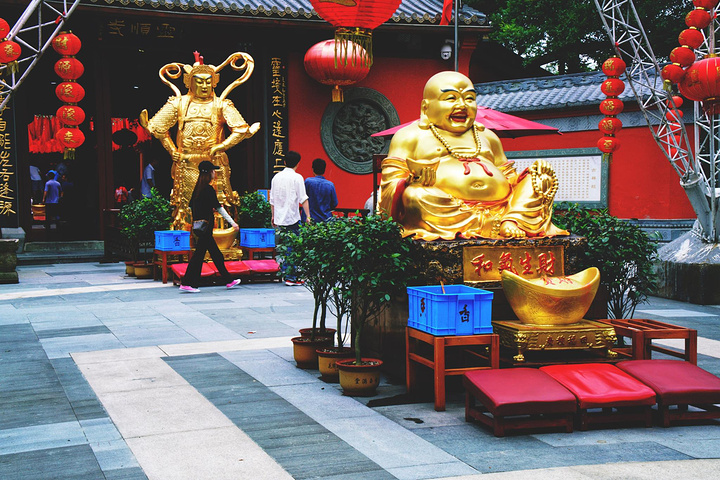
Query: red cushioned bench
[[517, 398], [178, 269], [621, 397], [680, 384]]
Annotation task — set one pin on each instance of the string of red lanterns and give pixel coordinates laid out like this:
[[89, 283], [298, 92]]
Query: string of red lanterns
[[613, 67], [9, 51], [696, 79], [70, 92]]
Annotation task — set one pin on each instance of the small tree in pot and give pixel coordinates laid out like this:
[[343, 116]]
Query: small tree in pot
[[254, 211], [377, 268]]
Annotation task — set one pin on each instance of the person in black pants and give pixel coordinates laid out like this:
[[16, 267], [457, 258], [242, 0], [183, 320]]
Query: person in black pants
[[202, 203]]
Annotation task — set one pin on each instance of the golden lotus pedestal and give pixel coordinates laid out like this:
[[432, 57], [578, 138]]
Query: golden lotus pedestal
[[584, 335]]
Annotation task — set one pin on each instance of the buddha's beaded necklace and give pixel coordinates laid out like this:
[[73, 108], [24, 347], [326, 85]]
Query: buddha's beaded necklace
[[452, 150]]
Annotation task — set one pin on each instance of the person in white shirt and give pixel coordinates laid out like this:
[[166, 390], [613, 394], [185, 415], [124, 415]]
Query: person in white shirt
[[287, 194]]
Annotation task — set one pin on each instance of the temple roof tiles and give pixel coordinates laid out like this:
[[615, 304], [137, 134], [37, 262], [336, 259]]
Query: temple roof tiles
[[546, 93], [409, 12]]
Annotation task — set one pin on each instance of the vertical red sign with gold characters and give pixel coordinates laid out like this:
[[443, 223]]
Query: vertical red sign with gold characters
[[278, 121], [8, 170]]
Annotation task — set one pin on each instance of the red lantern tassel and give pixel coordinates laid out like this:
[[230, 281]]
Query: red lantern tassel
[[350, 39], [69, 154]]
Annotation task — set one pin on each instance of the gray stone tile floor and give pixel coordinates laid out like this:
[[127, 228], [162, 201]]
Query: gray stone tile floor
[[108, 377]]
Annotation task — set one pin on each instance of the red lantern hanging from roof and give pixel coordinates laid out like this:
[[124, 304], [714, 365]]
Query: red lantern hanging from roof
[[611, 106], [70, 92], [9, 53], [608, 144], [4, 28], [355, 20], [69, 68], [70, 138], [691, 37], [71, 115], [614, 67], [320, 64], [66, 43], [702, 84]]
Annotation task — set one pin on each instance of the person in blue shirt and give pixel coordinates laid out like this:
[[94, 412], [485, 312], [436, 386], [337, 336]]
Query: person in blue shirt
[[321, 193]]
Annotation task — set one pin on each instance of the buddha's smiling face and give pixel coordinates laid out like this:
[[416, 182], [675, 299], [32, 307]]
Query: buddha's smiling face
[[449, 102]]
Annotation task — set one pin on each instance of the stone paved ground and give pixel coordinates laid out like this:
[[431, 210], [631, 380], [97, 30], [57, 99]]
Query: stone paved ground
[[108, 377]]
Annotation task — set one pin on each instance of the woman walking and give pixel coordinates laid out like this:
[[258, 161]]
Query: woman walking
[[202, 203]]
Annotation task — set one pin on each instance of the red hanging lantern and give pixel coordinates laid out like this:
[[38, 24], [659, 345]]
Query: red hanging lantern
[[702, 84], [70, 92], [691, 37], [706, 4], [611, 106], [683, 56], [608, 144], [71, 115], [355, 21], [698, 18], [70, 138], [320, 64], [4, 28], [670, 115], [69, 68], [66, 44], [610, 125], [614, 67], [612, 87], [673, 73], [9, 53]]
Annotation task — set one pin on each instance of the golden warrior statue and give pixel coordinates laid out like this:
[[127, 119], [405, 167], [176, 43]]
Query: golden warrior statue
[[447, 176], [200, 117]]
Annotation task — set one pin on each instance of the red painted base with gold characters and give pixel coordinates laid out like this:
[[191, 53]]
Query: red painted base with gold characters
[[359, 380]]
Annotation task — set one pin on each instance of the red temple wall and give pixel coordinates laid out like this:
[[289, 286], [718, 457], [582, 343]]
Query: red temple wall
[[642, 183]]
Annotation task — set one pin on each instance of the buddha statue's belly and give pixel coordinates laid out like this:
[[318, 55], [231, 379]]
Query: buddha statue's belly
[[483, 182]]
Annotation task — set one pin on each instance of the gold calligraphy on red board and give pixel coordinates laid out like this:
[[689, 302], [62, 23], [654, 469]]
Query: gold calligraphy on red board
[[482, 264]]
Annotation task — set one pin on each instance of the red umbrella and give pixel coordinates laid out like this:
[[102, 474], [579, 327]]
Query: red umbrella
[[503, 124]]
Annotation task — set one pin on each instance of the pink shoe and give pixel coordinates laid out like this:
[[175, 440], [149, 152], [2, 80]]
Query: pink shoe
[[188, 289], [233, 284]]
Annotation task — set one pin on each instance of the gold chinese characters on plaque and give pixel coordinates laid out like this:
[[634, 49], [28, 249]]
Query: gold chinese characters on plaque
[[486, 263]]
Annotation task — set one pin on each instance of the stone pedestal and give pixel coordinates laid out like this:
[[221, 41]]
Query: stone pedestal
[[443, 261], [8, 260], [689, 270]]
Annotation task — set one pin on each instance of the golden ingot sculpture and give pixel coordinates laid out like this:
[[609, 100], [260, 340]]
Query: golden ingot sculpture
[[447, 176], [201, 118], [560, 300]]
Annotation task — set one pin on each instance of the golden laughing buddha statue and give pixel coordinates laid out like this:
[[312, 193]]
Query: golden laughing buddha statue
[[201, 118], [447, 176]]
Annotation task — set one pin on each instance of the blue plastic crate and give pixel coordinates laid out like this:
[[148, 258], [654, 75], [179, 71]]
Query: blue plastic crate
[[257, 237], [172, 240], [460, 310]]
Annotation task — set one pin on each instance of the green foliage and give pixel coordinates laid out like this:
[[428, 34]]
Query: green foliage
[[569, 35], [254, 211], [356, 265], [621, 251], [140, 219]]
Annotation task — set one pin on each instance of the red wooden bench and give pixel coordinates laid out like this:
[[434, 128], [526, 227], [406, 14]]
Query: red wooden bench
[[517, 398], [619, 396], [680, 384]]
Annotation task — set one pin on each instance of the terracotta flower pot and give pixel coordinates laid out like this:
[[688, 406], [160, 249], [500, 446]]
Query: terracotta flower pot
[[130, 269], [144, 270], [359, 380], [307, 332], [304, 350], [327, 361]]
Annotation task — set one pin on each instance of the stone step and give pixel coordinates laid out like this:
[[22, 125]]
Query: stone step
[[39, 253]]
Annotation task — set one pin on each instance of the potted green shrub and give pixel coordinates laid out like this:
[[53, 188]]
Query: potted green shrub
[[620, 250], [140, 219], [308, 257], [254, 211], [377, 261]]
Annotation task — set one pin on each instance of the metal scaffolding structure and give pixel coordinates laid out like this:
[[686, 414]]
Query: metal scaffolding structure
[[697, 167], [34, 31]]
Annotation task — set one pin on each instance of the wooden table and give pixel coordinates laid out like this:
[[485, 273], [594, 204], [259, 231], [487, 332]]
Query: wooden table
[[643, 331], [437, 362], [160, 259]]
